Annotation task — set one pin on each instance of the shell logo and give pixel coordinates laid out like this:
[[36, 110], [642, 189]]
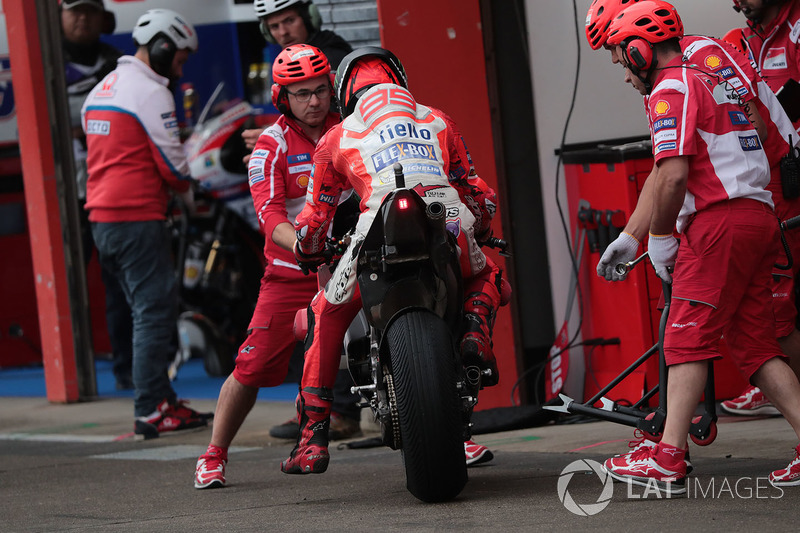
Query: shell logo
[[713, 61], [302, 180], [662, 107]]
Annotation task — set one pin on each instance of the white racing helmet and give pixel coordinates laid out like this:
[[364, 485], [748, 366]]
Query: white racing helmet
[[165, 23], [164, 32]]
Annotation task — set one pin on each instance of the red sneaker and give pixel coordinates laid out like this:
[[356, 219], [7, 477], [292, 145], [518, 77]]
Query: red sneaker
[[641, 442], [789, 476], [169, 417], [210, 470], [477, 453], [751, 402], [647, 467]]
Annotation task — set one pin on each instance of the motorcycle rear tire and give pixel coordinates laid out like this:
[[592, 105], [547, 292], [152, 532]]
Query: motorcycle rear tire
[[428, 405]]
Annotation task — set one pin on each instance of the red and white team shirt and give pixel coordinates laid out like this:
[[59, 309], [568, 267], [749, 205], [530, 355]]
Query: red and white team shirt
[[134, 151], [691, 113], [279, 172], [775, 50], [718, 57]]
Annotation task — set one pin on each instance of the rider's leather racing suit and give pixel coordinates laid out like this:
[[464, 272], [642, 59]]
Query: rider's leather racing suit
[[389, 126]]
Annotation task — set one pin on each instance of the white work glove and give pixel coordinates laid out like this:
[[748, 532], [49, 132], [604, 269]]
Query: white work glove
[[622, 250], [663, 249]]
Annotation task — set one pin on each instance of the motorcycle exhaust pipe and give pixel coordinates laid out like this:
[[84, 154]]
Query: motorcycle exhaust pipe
[[435, 210], [473, 374]]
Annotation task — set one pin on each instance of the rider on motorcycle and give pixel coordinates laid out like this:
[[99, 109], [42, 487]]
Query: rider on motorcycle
[[383, 124]]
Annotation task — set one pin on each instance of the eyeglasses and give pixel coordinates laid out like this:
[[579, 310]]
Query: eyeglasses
[[304, 95]]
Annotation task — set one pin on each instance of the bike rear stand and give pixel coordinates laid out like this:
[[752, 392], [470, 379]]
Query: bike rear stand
[[703, 429]]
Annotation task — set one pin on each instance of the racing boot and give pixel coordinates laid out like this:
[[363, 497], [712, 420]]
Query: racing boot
[[476, 343], [310, 454]]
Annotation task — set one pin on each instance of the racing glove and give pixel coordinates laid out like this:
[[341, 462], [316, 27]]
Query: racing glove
[[663, 249], [310, 262], [622, 250]]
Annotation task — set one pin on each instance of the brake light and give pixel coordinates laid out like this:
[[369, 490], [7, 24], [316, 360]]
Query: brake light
[[402, 203]]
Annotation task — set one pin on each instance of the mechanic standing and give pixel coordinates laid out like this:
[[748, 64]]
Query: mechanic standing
[[287, 23], [279, 170], [134, 159], [770, 40], [711, 174]]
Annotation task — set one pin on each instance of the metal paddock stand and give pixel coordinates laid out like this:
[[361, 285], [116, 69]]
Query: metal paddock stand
[[703, 429]]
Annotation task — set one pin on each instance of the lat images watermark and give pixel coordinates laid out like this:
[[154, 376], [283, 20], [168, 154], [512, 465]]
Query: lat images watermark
[[742, 488], [585, 509]]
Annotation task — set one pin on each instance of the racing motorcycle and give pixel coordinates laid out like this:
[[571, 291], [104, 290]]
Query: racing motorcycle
[[219, 250], [402, 349]]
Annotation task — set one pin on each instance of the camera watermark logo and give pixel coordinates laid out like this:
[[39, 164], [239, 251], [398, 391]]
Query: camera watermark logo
[[585, 509], [743, 488]]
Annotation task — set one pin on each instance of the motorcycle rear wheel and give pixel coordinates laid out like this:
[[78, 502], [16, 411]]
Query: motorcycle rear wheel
[[428, 405]]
